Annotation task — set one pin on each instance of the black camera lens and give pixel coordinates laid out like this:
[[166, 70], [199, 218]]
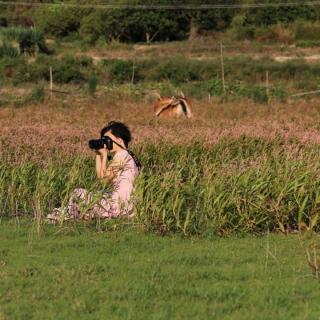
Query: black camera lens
[[96, 144], [100, 143]]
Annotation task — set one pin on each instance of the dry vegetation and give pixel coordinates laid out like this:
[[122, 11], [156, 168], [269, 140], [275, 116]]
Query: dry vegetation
[[56, 126]]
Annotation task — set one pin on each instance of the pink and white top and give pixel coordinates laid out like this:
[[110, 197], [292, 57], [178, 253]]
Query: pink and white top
[[123, 183]]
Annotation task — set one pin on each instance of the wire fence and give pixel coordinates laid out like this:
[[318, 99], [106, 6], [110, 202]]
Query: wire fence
[[184, 6]]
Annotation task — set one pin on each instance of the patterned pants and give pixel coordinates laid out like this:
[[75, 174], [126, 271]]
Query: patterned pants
[[84, 204]]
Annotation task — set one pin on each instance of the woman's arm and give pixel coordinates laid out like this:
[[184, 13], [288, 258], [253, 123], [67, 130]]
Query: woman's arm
[[98, 165], [103, 171], [101, 165]]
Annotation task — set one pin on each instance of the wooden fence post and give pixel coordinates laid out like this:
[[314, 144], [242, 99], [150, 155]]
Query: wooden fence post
[[222, 70], [133, 72], [51, 82], [267, 85]]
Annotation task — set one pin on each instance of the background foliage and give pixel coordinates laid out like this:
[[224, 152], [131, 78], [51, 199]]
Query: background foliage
[[129, 25]]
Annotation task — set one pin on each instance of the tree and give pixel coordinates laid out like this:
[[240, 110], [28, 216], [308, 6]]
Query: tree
[[157, 25], [58, 20], [131, 25], [284, 14], [92, 27], [213, 19]]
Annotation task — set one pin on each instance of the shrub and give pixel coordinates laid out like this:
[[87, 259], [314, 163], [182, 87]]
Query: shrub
[[3, 22], [279, 93], [65, 70], [217, 19], [306, 30], [37, 95], [180, 70], [92, 28], [6, 50], [283, 34], [266, 16], [215, 87], [9, 67], [258, 94], [239, 30], [65, 73], [92, 85], [264, 34], [58, 20], [121, 71], [68, 69], [199, 77], [35, 71], [307, 43], [202, 89], [40, 68], [84, 61], [275, 33]]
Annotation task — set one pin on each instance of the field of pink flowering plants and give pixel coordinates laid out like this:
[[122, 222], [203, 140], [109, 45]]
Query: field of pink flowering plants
[[235, 167]]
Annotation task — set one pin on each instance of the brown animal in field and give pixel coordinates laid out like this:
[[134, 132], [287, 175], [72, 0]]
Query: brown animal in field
[[176, 106]]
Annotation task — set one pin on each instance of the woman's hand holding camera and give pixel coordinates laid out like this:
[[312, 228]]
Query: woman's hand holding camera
[[102, 152], [101, 161]]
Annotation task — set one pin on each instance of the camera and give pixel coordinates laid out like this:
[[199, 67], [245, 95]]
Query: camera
[[100, 143]]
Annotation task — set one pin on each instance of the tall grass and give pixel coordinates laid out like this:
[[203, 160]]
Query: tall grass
[[242, 185], [28, 39]]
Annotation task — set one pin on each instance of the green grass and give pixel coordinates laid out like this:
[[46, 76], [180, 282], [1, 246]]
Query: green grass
[[245, 76], [242, 185], [77, 273]]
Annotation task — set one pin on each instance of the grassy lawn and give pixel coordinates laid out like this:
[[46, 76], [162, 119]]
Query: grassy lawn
[[75, 273]]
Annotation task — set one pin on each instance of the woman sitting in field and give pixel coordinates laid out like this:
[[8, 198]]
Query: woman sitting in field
[[121, 173]]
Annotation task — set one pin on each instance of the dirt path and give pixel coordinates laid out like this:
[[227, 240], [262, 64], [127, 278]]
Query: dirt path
[[137, 52], [311, 58]]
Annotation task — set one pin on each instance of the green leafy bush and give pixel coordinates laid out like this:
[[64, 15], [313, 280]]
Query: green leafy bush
[[3, 22], [121, 71], [307, 43], [9, 67], [278, 92], [64, 70], [92, 84], [272, 15], [37, 94], [92, 28], [6, 50], [57, 20], [180, 70], [239, 30], [65, 73], [83, 61], [306, 30]]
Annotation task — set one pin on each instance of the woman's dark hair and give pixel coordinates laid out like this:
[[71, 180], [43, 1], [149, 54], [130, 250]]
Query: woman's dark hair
[[118, 129]]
